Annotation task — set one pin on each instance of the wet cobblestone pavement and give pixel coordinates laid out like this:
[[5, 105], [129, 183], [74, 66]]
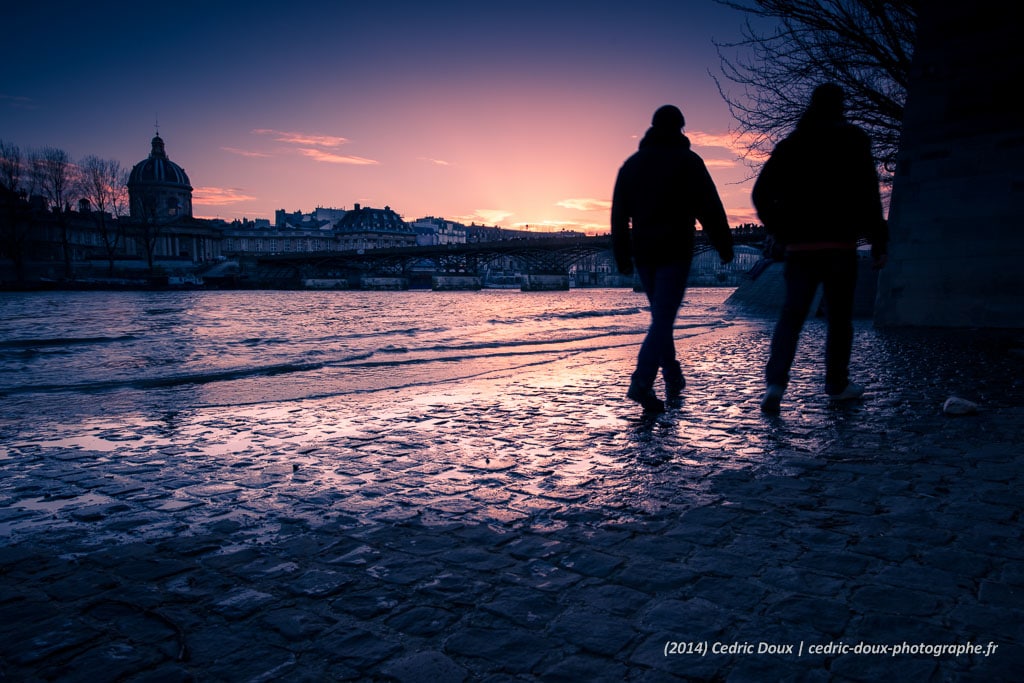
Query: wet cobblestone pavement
[[536, 528]]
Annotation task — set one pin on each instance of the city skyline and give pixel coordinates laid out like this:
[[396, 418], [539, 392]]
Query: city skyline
[[512, 116]]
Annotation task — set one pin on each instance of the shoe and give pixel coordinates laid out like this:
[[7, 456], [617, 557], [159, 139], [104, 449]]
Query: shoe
[[674, 381], [647, 399], [772, 401], [850, 393], [673, 390]]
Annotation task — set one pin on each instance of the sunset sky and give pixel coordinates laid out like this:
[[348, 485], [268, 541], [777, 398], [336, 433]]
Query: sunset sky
[[512, 114]]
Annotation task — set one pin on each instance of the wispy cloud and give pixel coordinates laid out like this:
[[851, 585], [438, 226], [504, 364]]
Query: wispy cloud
[[738, 144], [719, 163], [317, 147], [585, 204], [245, 152], [724, 140], [490, 216], [219, 196], [332, 158], [18, 102], [549, 226], [295, 138], [436, 162], [738, 216]]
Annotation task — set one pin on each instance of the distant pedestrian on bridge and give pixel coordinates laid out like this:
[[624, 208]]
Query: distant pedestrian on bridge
[[817, 195], [660, 193]]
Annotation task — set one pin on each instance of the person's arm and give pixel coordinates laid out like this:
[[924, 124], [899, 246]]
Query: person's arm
[[765, 195], [712, 216], [875, 225], [622, 247]]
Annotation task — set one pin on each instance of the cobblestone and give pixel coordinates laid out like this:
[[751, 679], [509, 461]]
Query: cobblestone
[[534, 527]]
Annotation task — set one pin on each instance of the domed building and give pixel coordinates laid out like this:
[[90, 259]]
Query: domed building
[[159, 191], [160, 214]]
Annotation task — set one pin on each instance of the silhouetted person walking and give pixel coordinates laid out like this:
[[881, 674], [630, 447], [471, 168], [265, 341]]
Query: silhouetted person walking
[[660, 192], [816, 195]]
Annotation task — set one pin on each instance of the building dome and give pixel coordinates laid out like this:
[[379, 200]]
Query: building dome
[[158, 188], [159, 169]]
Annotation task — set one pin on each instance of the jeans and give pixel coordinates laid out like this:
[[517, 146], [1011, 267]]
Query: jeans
[[665, 287], [836, 270]]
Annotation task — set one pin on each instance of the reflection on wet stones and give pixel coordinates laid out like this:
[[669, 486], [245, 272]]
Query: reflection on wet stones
[[514, 529]]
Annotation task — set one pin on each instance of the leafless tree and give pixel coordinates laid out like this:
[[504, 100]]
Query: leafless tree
[[791, 46], [105, 185], [10, 166], [148, 228], [54, 175], [15, 219]]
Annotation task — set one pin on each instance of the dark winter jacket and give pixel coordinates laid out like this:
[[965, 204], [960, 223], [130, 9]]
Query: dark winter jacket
[[659, 193], [819, 189]]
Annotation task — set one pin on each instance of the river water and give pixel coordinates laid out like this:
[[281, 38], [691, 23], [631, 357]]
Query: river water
[[71, 355]]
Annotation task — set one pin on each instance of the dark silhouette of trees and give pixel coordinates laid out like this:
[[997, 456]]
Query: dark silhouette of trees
[[100, 185], [148, 228], [791, 46], [53, 177], [15, 218], [10, 166], [105, 184]]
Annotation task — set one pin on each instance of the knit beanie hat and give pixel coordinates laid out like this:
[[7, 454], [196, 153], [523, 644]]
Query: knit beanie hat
[[827, 100], [668, 117]]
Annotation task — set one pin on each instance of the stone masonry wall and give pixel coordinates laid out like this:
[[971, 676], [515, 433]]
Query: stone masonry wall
[[957, 250]]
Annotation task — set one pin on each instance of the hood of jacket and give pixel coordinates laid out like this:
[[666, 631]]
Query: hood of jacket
[[660, 137]]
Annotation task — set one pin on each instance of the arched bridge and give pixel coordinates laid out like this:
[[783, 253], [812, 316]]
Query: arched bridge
[[553, 255]]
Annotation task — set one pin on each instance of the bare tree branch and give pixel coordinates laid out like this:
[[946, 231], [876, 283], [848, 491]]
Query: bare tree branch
[[15, 219], [791, 46], [10, 166], [105, 185], [54, 174]]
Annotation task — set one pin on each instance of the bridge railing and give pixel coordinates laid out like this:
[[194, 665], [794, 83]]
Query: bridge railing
[[537, 255]]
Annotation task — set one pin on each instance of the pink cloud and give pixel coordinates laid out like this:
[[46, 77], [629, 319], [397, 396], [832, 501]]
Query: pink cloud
[[739, 216], [737, 143], [331, 158], [245, 153], [295, 138], [585, 204], [219, 196], [490, 216]]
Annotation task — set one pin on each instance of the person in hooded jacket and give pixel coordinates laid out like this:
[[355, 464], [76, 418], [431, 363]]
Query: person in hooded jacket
[[817, 195], [660, 192]]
